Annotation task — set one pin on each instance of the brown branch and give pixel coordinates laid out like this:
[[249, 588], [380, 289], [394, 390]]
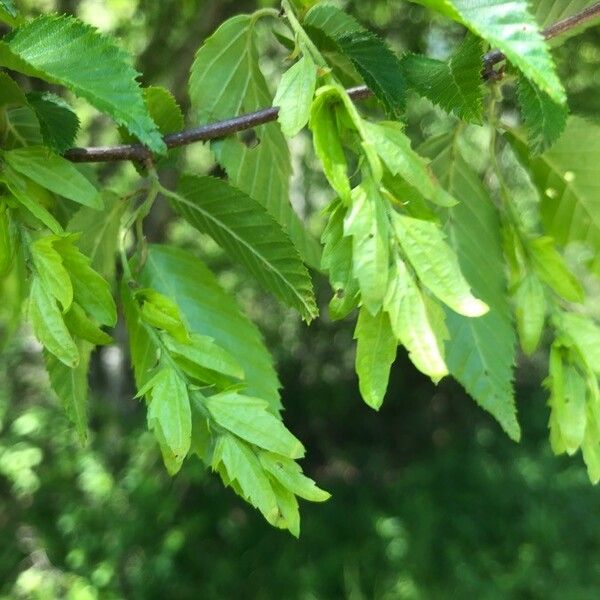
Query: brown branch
[[221, 129]]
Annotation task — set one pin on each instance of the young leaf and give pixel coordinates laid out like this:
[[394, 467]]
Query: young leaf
[[63, 50], [90, 290], [584, 334], [9, 7], [375, 353], [374, 60], [328, 145], [455, 85], [412, 325], [49, 327], [509, 26], [367, 224], [71, 386], [530, 312], [58, 123], [99, 237], [481, 353], [394, 148], [54, 173], [6, 239], [31, 196], [80, 325], [567, 180], [249, 419], [51, 271], [170, 410], [436, 264], [161, 312], [544, 118], [552, 269], [207, 310], [226, 80], [249, 235], [290, 476], [294, 95]]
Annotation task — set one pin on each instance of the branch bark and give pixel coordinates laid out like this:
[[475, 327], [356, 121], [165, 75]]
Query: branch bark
[[227, 127]]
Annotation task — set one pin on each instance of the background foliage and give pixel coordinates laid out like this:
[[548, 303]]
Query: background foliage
[[430, 498]]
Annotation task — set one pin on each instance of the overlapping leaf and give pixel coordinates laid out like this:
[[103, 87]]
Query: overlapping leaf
[[509, 26], [58, 123], [226, 81], [63, 50], [248, 234], [372, 57]]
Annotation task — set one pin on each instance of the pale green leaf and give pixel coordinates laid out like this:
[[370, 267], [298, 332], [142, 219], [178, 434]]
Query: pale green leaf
[[394, 148], [226, 81], [169, 408], [584, 334], [289, 515], [367, 224], [54, 173], [63, 50], [249, 419], [80, 325], [161, 312], [455, 85], [436, 264], [412, 325], [71, 387], [294, 95], [22, 128], [49, 327], [530, 312], [509, 26], [51, 271], [375, 353], [9, 7], [243, 228], [207, 310]]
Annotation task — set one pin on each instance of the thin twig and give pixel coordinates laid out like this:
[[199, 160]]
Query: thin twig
[[221, 129]]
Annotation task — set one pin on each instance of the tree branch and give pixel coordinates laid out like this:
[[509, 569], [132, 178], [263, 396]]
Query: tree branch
[[227, 127]]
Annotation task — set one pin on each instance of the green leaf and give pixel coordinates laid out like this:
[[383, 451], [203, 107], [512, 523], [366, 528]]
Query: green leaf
[[169, 409], [249, 419], [226, 80], [544, 118], [367, 224], [436, 264], [31, 196], [161, 312], [375, 353], [23, 128], [71, 387], [394, 148], [99, 237], [203, 352], [7, 247], [412, 325], [65, 51], [481, 351], [328, 145], [207, 310], [290, 476], [58, 122], [90, 290], [49, 327], [249, 235], [242, 466], [584, 334], [374, 60], [552, 269], [455, 85], [80, 325], [509, 26], [294, 95], [530, 312], [54, 173], [567, 180], [10, 92], [51, 271]]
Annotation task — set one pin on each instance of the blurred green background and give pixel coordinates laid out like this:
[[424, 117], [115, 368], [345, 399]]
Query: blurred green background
[[430, 499]]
